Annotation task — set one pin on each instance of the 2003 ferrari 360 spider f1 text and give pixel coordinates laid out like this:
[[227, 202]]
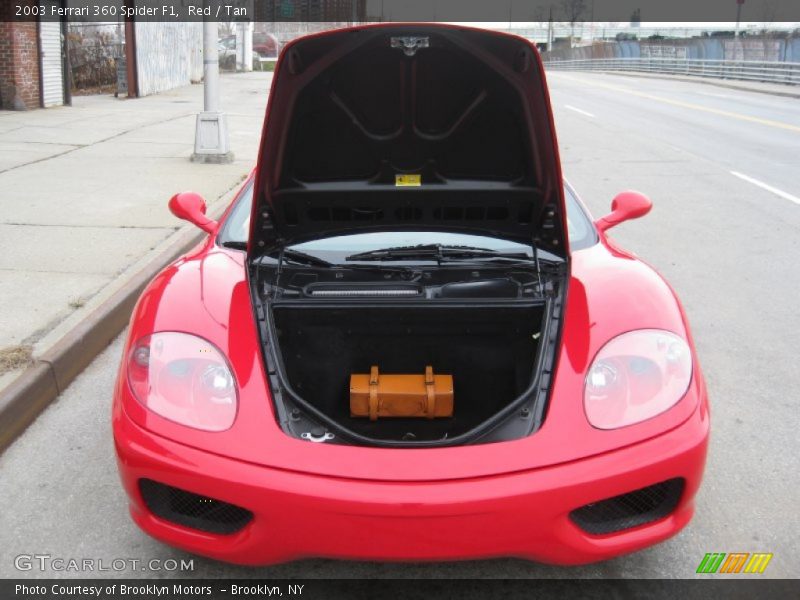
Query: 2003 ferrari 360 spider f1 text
[[406, 339]]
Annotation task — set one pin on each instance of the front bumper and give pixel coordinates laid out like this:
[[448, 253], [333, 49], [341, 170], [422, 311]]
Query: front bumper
[[524, 514]]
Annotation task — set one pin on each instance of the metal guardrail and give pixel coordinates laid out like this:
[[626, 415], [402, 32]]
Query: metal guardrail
[[763, 71], [597, 31]]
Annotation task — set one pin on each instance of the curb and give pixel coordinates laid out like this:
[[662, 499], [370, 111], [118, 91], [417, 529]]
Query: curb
[[22, 401]]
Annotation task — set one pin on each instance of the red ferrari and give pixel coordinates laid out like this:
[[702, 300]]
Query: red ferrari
[[406, 339]]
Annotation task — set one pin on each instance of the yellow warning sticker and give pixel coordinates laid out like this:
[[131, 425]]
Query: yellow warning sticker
[[407, 180]]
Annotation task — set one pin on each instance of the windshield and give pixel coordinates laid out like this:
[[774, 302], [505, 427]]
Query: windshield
[[364, 242], [237, 225]]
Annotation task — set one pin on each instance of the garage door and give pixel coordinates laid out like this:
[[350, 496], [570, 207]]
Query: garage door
[[52, 65]]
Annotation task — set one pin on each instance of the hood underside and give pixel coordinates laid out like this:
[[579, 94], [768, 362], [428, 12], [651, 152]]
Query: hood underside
[[409, 127]]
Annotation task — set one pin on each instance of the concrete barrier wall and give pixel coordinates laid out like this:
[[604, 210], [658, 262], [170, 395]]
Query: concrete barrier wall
[[159, 71], [746, 48], [793, 50]]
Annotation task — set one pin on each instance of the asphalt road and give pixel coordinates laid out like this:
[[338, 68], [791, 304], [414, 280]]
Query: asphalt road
[[728, 245]]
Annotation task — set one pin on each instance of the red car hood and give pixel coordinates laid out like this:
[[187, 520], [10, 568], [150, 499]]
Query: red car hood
[[412, 126]]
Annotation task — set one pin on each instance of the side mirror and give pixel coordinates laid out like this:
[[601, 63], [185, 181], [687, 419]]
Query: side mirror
[[625, 206], [191, 207]]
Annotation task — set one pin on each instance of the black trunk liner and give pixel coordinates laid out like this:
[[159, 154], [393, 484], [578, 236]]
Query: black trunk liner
[[489, 351]]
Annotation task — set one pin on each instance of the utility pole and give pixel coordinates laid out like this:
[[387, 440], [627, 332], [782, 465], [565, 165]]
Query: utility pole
[[550, 30], [244, 46], [738, 16], [211, 142]]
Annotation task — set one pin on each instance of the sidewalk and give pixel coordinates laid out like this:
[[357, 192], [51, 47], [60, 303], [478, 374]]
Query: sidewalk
[[83, 197]]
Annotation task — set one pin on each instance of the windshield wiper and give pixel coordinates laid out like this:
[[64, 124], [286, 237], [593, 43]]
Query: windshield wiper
[[300, 258], [234, 245], [440, 253], [289, 255]]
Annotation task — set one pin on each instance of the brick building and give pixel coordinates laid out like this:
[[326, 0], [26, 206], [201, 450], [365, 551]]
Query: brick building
[[31, 63]]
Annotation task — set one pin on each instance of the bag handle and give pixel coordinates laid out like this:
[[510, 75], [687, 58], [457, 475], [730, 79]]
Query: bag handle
[[373, 393], [430, 389]]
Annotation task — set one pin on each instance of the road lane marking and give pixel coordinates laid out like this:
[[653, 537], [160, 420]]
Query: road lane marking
[[578, 110], [689, 105], [713, 95], [765, 186]]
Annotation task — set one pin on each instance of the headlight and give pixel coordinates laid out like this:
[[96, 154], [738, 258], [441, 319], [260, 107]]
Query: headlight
[[636, 376], [184, 379]]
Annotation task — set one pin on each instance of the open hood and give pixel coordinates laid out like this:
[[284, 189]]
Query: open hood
[[413, 126]]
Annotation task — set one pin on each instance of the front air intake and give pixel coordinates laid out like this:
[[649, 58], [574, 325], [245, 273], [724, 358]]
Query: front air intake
[[192, 510], [631, 509]]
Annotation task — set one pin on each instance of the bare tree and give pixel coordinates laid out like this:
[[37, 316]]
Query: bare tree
[[226, 28], [768, 16], [573, 11], [539, 17]]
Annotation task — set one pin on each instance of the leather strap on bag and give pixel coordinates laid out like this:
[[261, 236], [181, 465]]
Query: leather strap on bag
[[373, 393], [430, 410]]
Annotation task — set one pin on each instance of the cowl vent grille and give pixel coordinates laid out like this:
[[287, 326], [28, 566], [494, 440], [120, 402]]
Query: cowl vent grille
[[363, 293]]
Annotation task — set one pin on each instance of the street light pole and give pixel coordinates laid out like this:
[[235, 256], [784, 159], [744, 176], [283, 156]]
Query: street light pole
[[738, 16], [211, 143], [244, 46], [210, 67]]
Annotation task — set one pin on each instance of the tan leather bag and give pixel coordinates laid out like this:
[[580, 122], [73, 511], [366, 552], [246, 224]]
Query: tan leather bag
[[375, 395]]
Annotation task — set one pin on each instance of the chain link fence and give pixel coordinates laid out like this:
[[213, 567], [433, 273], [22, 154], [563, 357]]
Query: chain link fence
[[94, 49]]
